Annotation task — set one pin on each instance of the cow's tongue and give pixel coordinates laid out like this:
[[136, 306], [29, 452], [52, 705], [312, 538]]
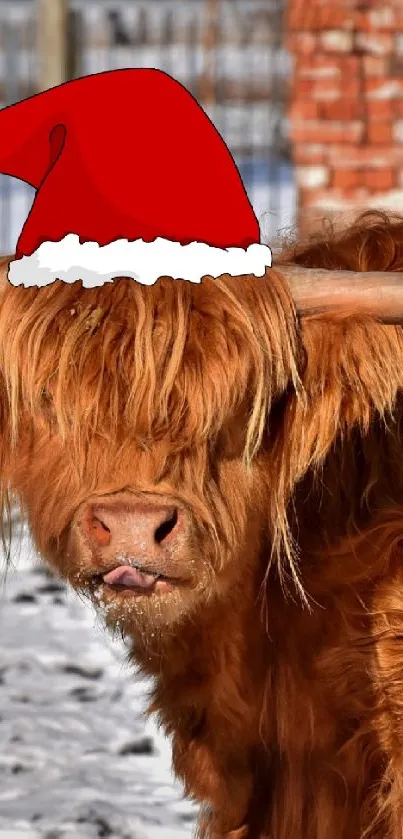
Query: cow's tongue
[[128, 577]]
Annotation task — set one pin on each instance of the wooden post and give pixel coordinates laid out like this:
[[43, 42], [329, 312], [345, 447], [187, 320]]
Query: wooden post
[[208, 90], [74, 44], [51, 42]]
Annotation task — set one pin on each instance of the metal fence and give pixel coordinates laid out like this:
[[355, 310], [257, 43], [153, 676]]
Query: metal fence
[[228, 53]]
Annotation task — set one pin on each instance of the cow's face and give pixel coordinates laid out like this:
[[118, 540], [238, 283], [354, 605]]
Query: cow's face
[[147, 549], [132, 410]]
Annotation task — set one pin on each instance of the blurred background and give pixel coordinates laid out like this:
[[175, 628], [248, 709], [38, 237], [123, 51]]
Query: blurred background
[[229, 53]]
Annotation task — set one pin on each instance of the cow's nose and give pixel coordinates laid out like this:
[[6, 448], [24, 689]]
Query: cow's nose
[[136, 528]]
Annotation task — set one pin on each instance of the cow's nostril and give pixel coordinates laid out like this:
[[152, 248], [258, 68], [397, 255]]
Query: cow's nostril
[[134, 527], [167, 526], [98, 531]]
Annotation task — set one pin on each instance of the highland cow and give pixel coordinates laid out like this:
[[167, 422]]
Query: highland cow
[[223, 476]]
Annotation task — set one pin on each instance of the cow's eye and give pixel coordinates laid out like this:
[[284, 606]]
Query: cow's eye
[[230, 442]]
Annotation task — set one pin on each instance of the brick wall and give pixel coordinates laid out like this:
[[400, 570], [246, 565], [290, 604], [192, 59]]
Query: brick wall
[[346, 108]]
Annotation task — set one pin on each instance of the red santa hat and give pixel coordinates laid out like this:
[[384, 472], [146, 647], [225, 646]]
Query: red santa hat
[[132, 180]]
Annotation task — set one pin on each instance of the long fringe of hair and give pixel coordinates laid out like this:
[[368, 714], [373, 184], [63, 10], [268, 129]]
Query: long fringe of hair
[[176, 361]]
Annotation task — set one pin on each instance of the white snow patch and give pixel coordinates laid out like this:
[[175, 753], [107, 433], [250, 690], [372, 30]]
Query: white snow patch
[[22, 834], [68, 705]]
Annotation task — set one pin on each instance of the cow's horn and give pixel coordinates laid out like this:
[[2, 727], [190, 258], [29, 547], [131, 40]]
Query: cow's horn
[[375, 293]]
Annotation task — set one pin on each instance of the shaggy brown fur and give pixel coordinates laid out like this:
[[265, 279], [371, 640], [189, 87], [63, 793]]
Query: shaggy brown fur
[[279, 669]]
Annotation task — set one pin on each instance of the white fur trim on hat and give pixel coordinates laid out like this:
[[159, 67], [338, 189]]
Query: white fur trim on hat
[[93, 264]]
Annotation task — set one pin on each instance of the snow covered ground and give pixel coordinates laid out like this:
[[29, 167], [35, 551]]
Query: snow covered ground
[[77, 758]]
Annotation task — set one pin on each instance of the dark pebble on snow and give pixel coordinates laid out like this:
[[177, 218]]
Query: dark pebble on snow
[[83, 694], [104, 829], [53, 587], [82, 672], [17, 768], [143, 746], [24, 598]]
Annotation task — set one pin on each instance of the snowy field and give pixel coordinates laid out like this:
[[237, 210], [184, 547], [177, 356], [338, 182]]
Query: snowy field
[[77, 758]]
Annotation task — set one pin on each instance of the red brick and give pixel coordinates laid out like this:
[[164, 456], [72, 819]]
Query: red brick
[[302, 43], [300, 15], [322, 131], [364, 156], [380, 19], [391, 88], [327, 89], [322, 65], [380, 178], [301, 89], [310, 153], [342, 109], [317, 16], [303, 109], [336, 41], [375, 43], [350, 64], [352, 87], [330, 16], [381, 109], [379, 133], [317, 67], [346, 178], [375, 66]]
